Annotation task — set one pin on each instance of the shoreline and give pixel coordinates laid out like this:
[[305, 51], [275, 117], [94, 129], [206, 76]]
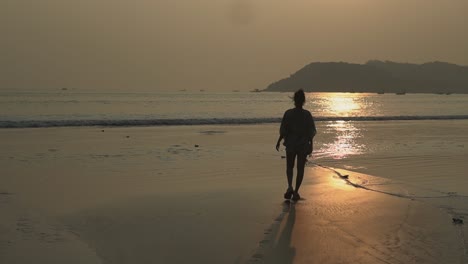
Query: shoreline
[[189, 122]]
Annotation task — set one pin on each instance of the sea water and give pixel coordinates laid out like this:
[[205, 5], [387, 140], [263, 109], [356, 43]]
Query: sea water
[[29, 109], [420, 140]]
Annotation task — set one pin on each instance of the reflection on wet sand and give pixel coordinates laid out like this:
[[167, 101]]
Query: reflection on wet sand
[[337, 223], [345, 140]]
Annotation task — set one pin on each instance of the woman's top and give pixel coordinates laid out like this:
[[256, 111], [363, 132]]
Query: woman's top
[[297, 128]]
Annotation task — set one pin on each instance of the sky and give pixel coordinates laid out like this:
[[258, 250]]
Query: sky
[[215, 45]]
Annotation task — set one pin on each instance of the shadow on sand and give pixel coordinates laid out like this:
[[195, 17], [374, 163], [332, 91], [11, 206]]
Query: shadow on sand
[[276, 247], [283, 251]]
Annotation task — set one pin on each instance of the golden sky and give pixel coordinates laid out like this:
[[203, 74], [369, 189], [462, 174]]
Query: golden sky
[[122, 45]]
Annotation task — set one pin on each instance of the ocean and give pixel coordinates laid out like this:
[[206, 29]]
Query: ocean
[[68, 108], [417, 139]]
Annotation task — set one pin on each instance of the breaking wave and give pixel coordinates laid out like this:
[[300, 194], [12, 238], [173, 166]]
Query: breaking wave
[[202, 121]]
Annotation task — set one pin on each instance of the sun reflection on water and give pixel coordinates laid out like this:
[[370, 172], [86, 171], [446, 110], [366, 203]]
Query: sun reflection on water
[[344, 143], [342, 135], [342, 104]]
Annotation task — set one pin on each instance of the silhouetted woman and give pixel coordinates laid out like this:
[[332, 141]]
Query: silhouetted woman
[[298, 130]]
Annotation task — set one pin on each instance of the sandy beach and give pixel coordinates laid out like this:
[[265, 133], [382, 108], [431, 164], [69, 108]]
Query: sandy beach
[[202, 194], [148, 132], [338, 223]]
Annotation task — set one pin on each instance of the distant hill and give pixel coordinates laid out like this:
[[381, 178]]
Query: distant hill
[[376, 77]]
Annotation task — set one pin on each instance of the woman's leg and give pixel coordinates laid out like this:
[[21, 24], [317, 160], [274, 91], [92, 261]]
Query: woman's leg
[[301, 160], [290, 157]]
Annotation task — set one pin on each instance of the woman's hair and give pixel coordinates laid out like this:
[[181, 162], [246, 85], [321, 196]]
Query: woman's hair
[[299, 98]]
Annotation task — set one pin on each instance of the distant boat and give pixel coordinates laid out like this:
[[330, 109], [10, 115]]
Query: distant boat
[[183, 90], [201, 90], [401, 93], [64, 89], [236, 91]]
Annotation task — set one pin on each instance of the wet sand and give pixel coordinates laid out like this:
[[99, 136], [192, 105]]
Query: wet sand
[[339, 223], [199, 194]]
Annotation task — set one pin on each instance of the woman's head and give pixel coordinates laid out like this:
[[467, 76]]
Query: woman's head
[[299, 98]]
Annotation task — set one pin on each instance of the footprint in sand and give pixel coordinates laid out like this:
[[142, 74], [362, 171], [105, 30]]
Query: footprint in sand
[[24, 226], [5, 194], [212, 132], [257, 257], [30, 229]]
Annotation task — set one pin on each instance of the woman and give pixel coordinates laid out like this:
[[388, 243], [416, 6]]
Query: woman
[[298, 130]]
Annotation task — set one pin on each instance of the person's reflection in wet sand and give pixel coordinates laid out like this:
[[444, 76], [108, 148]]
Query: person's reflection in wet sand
[[282, 251]]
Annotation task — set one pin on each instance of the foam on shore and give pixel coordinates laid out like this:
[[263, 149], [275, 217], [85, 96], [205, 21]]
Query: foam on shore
[[204, 121]]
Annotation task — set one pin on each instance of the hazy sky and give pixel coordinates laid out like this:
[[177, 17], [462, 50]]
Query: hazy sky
[[130, 45]]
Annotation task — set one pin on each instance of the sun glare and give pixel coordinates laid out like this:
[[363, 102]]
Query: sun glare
[[344, 144], [345, 133], [342, 105]]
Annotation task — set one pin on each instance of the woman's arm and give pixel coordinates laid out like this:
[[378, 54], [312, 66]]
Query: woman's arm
[[283, 130], [313, 129], [278, 143]]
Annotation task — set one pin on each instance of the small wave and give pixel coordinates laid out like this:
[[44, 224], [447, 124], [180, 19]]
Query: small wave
[[134, 122], [202, 121], [400, 195]]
